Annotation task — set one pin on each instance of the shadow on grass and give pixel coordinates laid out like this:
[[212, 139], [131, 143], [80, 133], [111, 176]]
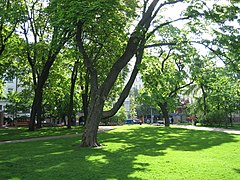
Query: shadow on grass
[[237, 170], [14, 133], [117, 159]]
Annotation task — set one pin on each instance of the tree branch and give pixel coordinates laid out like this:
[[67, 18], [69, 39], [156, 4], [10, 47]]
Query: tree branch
[[214, 51], [178, 88], [136, 38], [164, 4], [164, 24], [81, 48], [166, 58], [127, 87], [160, 44]]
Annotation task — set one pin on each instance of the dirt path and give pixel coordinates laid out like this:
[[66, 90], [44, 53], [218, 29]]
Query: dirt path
[[100, 129], [230, 131]]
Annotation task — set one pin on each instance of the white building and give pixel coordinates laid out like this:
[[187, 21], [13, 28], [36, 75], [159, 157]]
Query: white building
[[138, 84], [10, 86]]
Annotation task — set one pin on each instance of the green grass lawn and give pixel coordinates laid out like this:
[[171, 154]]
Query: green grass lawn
[[235, 126], [23, 133], [129, 152]]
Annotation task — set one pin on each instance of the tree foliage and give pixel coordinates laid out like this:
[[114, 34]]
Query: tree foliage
[[107, 35]]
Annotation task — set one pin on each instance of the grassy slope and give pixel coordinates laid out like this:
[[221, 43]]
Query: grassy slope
[[129, 152]]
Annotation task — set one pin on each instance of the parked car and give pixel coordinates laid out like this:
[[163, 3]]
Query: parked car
[[136, 121], [161, 122], [129, 121]]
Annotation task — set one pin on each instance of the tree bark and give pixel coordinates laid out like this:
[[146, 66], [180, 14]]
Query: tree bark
[[33, 114], [205, 108], [85, 97], [36, 108], [39, 111], [85, 106], [37, 102], [89, 138], [73, 82], [164, 109]]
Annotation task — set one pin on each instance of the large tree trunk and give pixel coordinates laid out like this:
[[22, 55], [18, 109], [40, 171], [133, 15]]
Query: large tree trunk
[[164, 110], [89, 138]]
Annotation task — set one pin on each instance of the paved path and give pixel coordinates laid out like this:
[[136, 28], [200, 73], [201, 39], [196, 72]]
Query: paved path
[[230, 131], [100, 129]]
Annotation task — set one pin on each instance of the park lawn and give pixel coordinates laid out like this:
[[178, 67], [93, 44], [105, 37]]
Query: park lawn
[[7, 134], [128, 152], [235, 126]]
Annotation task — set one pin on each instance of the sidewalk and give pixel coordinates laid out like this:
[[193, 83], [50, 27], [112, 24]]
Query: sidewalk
[[100, 129], [230, 131]]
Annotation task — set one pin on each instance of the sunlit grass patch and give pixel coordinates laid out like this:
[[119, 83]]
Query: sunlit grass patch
[[129, 152]]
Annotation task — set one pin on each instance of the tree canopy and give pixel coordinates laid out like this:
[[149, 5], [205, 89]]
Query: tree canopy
[[80, 51]]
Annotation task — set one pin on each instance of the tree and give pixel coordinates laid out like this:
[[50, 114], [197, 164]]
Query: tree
[[204, 13], [223, 94], [100, 87], [17, 102], [222, 20], [49, 37], [165, 75], [108, 35], [11, 15], [215, 92]]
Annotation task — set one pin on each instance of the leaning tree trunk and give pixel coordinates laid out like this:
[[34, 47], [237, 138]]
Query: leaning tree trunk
[[164, 110], [89, 138]]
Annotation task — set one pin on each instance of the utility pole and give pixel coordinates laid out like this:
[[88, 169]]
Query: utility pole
[[151, 115]]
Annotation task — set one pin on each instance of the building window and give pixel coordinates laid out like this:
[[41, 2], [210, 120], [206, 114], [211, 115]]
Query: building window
[[10, 80], [10, 89], [1, 107]]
